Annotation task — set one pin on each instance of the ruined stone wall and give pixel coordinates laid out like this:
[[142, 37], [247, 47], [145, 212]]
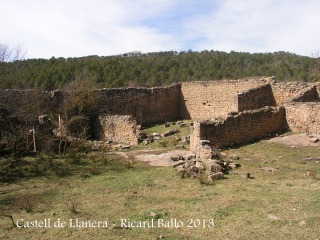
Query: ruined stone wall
[[119, 128], [241, 128], [309, 94], [255, 98], [285, 91], [147, 105], [206, 100], [28, 104], [303, 117]]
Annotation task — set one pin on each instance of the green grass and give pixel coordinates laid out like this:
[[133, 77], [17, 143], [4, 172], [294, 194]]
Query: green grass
[[168, 142], [239, 207]]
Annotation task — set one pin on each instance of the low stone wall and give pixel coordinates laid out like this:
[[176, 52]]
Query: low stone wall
[[243, 127], [285, 91], [309, 94], [303, 117], [119, 128], [255, 98]]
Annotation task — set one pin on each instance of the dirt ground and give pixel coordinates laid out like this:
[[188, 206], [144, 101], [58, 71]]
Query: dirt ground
[[301, 139], [157, 158]]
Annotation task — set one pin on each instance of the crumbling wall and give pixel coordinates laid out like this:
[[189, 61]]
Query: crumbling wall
[[206, 100], [28, 102], [147, 105], [285, 91], [309, 94], [303, 117], [119, 128], [236, 129], [255, 98]]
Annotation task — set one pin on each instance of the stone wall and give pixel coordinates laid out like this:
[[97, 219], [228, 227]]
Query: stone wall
[[285, 91], [28, 104], [255, 98], [236, 129], [303, 117], [147, 105], [119, 128], [309, 94], [207, 100]]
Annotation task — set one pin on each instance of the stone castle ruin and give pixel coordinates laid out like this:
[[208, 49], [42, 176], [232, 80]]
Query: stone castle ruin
[[225, 112]]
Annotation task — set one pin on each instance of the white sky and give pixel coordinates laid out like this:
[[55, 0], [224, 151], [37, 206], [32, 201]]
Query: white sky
[[73, 28]]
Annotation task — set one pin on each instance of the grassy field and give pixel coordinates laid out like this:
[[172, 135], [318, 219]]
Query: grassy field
[[283, 204]]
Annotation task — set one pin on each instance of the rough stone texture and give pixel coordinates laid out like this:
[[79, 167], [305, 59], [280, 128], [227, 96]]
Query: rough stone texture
[[190, 100], [118, 128], [309, 94], [29, 103], [147, 105], [285, 91], [255, 98], [244, 127], [303, 117], [206, 100]]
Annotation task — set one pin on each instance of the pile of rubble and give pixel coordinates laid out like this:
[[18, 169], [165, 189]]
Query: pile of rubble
[[207, 163]]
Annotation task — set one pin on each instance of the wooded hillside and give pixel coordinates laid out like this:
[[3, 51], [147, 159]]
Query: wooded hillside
[[155, 69]]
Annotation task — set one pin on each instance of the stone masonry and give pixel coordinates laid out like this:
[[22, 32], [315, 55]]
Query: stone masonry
[[229, 104]]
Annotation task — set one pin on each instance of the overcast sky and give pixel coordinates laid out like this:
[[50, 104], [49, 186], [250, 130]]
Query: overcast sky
[[73, 28]]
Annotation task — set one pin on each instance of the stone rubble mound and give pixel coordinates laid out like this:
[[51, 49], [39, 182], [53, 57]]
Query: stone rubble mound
[[207, 163]]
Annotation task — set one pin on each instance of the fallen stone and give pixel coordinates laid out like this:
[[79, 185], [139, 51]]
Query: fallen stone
[[174, 131], [125, 147], [314, 140], [147, 141], [246, 175], [185, 139], [223, 154], [190, 156], [174, 158], [95, 146], [178, 163], [235, 165], [167, 125], [194, 170], [156, 135], [234, 157], [301, 223], [215, 176], [180, 169], [199, 164], [204, 142], [212, 167], [117, 146], [189, 163], [179, 146], [182, 125]]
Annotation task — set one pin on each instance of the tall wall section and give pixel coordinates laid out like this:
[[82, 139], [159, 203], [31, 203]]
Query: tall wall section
[[119, 128], [303, 116], [255, 98], [240, 128], [207, 100], [147, 105]]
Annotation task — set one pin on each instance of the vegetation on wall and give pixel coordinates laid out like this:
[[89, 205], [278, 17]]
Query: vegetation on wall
[[156, 69]]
